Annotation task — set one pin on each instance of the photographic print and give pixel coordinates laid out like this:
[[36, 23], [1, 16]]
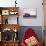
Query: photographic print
[[29, 12]]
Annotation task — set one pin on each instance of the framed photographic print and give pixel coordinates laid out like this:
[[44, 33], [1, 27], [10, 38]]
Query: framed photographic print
[[29, 12], [13, 12], [5, 12]]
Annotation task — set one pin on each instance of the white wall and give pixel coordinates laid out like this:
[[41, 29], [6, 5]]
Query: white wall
[[7, 3], [27, 4], [32, 4]]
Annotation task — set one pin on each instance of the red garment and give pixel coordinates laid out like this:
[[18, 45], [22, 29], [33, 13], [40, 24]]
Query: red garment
[[29, 33]]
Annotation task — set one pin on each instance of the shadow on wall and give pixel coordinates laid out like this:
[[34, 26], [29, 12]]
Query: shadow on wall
[[37, 29]]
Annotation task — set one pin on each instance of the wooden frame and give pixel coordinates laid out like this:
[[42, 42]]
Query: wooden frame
[[6, 24]]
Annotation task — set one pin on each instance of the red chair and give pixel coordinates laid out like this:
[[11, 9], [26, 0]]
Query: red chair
[[29, 33]]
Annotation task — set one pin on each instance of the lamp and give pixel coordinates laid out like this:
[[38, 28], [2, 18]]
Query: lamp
[[15, 3]]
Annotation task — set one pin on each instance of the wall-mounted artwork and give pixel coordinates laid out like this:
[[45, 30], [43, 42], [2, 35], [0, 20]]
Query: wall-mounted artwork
[[29, 12], [13, 12], [5, 12]]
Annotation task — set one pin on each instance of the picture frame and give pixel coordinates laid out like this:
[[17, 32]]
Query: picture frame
[[13, 12], [29, 12], [5, 12]]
